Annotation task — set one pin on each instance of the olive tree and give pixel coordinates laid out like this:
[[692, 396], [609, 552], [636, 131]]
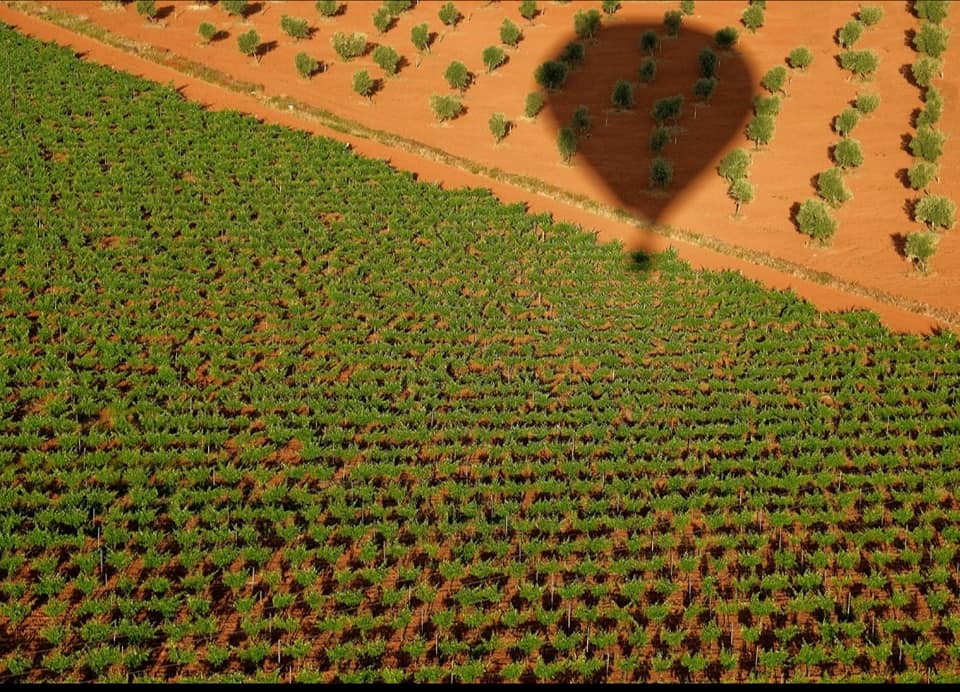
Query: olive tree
[[449, 15], [932, 10], [306, 65], [921, 174], [572, 54], [814, 220], [832, 189], [528, 10], [363, 84], [659, 138], [667, 108], [648, 70], [348, 46], [533, 104], [567, 143], [931, 39], [932, 108], [708, 62], [383, 20], [387, 59], [457, 76], [726, 37], [510, 33], [775, 79], [622, 96], [249, 44], [919, 247], [207, 31], [704, 87], [493, 57], [741, 190], [847, 154], [586, 23], [328, 8], [844, 123], [867, 102], [147, 9], [649, 41], [580, 120], [752, 18], [551, 74], [445, 106], [760, 130], [672, 19], [296, 28], [766, 105], [237, 8], [499, 126], [800, 58], [936, 211], [661, 172], [734, 165], [850, 33], [420, 37], [863, 63], [870, 15], [927, 144], [925, 69]]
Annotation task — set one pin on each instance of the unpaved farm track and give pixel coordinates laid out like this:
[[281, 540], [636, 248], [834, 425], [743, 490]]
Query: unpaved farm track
[[833, 286]]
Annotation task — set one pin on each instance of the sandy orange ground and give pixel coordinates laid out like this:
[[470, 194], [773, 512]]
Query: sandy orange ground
[[611, 165]]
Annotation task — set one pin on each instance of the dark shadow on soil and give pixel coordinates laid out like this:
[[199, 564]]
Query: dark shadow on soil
[[794, 210], [899, 243], [618, 147], [266, 47], [221, 35], [903, 177], [164, 12]]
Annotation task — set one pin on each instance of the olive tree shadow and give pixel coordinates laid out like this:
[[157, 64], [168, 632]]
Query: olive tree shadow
[[618, 149]]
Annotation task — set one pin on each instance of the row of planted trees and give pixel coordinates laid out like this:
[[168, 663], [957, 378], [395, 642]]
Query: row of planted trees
[[813, 216], [936, 212]]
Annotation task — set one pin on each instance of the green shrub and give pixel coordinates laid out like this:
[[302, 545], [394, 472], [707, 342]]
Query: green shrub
[[932, 10], [760, 130], [249, 44], [708, 62], [775, 79], [420, 37], [572, 54], [667, 108], [932, 108], [686, 7], [704, 87], [383, 20], [766, 105], [328, 8], [449, 15], [457, 76], [925, 69], [659, 138], [863, 63], [528, 10]]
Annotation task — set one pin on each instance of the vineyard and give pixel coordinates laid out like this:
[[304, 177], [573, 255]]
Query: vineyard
[[270, 411]]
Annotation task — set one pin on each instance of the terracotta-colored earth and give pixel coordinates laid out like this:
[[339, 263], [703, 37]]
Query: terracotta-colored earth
[[864, 261]]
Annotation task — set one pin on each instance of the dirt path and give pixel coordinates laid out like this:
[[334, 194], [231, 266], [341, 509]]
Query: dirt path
[[697, 203]]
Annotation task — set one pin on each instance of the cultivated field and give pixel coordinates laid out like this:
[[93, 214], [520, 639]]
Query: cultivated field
[[274, 411]]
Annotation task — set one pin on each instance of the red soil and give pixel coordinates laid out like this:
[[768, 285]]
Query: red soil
[[608, 168]]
